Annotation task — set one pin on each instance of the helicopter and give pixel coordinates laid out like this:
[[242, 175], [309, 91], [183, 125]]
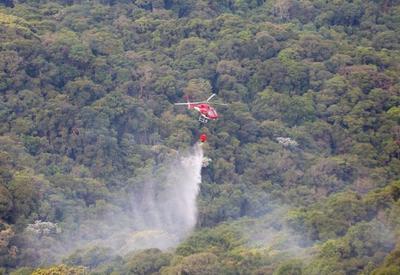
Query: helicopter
[[207, 112]]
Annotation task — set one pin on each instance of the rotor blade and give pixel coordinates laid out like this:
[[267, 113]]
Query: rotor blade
[[194, 102], [208, 99], [215, 103], [200, 102]]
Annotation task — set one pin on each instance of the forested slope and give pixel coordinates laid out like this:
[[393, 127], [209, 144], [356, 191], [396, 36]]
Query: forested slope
[[87, 91]]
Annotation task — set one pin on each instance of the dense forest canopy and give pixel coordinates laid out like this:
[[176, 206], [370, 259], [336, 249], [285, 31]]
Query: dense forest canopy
[[304, 177]]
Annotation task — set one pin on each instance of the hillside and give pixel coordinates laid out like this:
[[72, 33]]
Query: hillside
[[304, 177]]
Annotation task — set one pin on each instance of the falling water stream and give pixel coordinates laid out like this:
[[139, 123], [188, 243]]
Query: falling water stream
[[158, 211]]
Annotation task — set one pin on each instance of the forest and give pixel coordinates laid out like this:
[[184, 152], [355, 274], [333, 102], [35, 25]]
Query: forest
[[305, 158]]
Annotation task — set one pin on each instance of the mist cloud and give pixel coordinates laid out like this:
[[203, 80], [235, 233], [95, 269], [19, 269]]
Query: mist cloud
[[159, 211]]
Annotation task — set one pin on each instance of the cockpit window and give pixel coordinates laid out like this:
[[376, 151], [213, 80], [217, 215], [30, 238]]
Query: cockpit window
[[211, 113]]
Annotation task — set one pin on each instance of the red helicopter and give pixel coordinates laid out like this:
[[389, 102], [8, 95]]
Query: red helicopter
[[207, 112]]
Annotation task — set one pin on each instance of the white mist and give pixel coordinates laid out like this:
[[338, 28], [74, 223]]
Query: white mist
[[164, 207], [158, 211]]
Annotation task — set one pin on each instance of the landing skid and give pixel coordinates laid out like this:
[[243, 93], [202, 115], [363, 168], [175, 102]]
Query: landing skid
[[203, 119]]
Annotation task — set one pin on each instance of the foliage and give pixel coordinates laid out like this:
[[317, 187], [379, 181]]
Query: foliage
[[60, 270], [86, 108]]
